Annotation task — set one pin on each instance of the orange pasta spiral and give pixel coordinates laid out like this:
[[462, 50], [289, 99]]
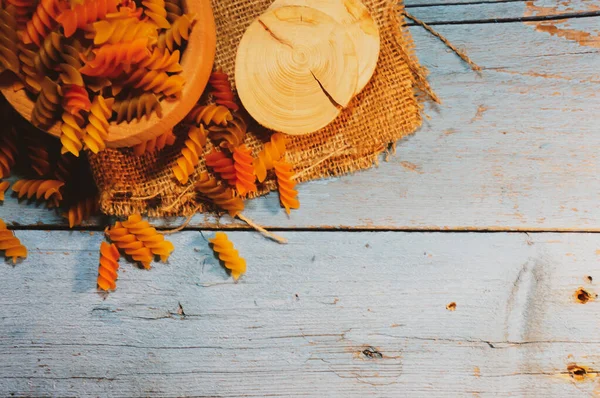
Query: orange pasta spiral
[[209, 114], [109, 265], [71, 133], [232, 135], [43, 21], [122, 30], [222, 92], [75, 99], [96, 131], [8, 154], [220, 195], [10, 244], [131, 245], [156, 11], [163, 60], [157, 82], [149, 236], [176, 34], [288, 196], [4, 185], [46, 105], [82, 211], [111, 58], [85, 13], [155, 144], [222, 165], [273, 151], [190, 154], [48, 190], [9, 59], [244, 170], [223, 247]]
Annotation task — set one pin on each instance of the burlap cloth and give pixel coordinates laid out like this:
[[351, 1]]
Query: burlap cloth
[[386, 111]]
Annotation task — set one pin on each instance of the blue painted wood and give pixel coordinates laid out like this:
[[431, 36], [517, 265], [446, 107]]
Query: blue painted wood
[[364, 316]]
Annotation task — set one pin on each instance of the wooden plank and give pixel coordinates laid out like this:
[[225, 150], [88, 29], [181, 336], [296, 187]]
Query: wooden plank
[[366, 316]]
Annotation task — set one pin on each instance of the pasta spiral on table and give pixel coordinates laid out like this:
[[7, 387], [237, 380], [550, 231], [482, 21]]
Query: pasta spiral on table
[[43, 21], [149, 236], [131, 245], [232, 135], [109, 265], [222, 165], [157, 13], [46, 105], [220, 195], [137, 107], [155, 144], [163, 60], [49, 53], [96, 131], [230, 257], [273, 151], [8, 154], [156, 81], [190, 154], [10, 244], [222, 92], [48, 190], [4, 185], [244, 170], [87, 12], [111, 58], [71, 133], [209, 114], [176, 34], [82, 211], [174, 9], [288, 196], [9, 59], [122, 30]]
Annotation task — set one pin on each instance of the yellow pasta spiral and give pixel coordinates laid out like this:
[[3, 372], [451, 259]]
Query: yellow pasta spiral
[[4, 185], [155, 144], [82, 211], [157, 82], [131, 245], [8, 154], [190, 154], [10, 244], [230, 257], [232, 135], [48, 190], [96, 131], [8, 40], [109, 265], [71, 133], [209, 114], [177, 33], [222, 196], [137, 107], [288, 196], [273, 151], [163, 60], [244, 170], [46, 105], [149, 236], [156, 11], [122, 30]]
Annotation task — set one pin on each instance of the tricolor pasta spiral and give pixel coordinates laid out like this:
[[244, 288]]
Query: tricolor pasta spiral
[[96, 131], [131, 245], [244, 170], [220, 195], [9, 59], [222, 165], [230, 257], [155, 144], [232, 135], [221, 90], [82, 211], [273, 151], [288, 196], [190, 154], [109, 265], [10, 244], [137, 107], [209, 114], [177, 33], [149, 236], [48, 190], [87, 12]]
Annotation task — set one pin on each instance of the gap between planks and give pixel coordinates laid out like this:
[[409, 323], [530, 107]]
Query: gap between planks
[[532, 18]]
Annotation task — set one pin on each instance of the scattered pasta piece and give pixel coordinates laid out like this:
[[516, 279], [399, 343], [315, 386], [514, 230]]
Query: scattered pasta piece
[[128, 243], [272, 152], [149, 236], [48, 190], [222, 165], [4, 185], [82, 211], [223, 247], [109, 265], [244, 170], [209, 114], [232, 135], [288, 196], [221, 90], [220, 195], [190, 154], [10, 244]]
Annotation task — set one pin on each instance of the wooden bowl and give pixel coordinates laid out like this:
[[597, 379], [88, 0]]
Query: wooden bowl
[[197, 62]]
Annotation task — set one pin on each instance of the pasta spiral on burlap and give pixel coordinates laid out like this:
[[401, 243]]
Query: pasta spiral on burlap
[[155, 144], [149, 236], [43, 21], [48, 190], [174, 9], [9, 59], [82, 211], [8, 154], [96, 131], [190, 154], [221, 90], [222, 165], [232, 135], [230, 257], [49, 55], [10, 244], [163, 60], [4, 185], [46, 105], [220, 195], [87, 12], [209, 114], [137, 107], [71, 133], [110, 59], [157, 82], [122, 30], [273, 151], [176, 34], [244, 170], [109, 265], [128, 243], [156, 12], [288, 196]]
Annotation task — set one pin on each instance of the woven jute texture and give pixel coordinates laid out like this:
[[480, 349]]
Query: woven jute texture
[[386, 111]]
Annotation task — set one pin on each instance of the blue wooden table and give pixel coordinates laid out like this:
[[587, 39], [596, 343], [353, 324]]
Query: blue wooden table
[[493, 206]]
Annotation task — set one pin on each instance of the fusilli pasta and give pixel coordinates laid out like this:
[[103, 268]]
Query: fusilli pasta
[[209, 114], [230, 257], [232, 135], [176, 34], [221, 90], [110, 59], [10, 244], [244, 170], [38, 157], [149, 236], [46, 105], [174, 9], [71, 133], [43, 21], [87, 12], [220, 195], [156, 81], [137, 107], [190, 154], [156, 11], [288, 196], [122, 30], [4, 185], [155, 144], [109, 265], [9, 59], [273, 151], [82, 211], [31, 78], [22, 10], [49, 55], [163, 60], [96, 131], [131, 245], [222, 165], [8, 154], [48, 190]]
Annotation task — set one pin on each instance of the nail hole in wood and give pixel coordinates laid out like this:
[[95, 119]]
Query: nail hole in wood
[[372, 353], [451, 306], [589, 278], [582, 296]]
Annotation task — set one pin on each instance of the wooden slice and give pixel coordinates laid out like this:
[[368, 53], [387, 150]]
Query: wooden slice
[[363, 30], [295, 69], [197, 62]]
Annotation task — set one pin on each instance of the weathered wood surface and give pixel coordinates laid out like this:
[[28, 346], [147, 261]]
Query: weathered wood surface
[[331, 314]]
